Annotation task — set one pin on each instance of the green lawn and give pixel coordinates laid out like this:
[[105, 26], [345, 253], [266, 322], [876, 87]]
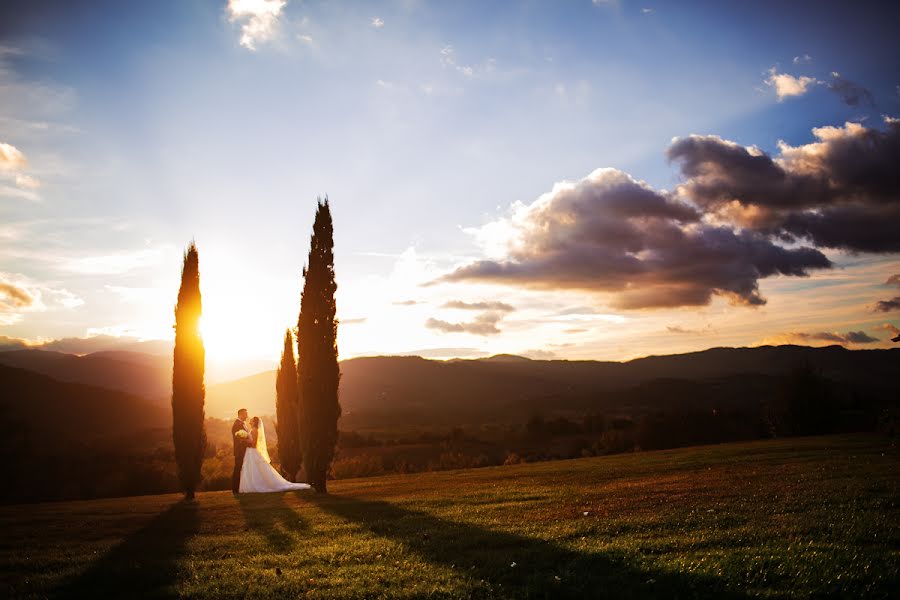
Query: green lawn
[[795, 518]]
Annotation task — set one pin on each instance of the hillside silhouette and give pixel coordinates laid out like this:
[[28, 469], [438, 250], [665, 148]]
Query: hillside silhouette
[[146, 375], [390, 389], [408, 414]]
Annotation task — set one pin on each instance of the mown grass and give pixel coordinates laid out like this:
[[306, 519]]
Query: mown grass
[[806, 517]]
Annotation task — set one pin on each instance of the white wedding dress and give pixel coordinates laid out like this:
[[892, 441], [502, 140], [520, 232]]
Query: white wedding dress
[[260, 477]]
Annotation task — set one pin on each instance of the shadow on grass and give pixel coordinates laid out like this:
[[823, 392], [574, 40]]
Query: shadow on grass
[[145, 564], [542, 568], [269, 516]]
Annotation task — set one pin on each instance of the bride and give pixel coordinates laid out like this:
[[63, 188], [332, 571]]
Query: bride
[[257, 475]]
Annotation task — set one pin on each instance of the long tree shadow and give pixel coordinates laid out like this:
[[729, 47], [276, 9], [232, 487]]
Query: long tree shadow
[[542, 568], [145, 564], [269, 516]]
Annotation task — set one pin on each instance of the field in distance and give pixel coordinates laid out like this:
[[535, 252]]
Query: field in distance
[[795, 518]]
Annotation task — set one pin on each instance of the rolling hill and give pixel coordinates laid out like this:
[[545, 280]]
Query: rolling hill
[[49, 412], [146, 375], [377, 390]]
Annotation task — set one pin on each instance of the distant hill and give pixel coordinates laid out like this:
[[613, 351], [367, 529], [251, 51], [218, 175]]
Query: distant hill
[[145, 375], [256, 393], [39, 411], [413, 390], [383, 390]]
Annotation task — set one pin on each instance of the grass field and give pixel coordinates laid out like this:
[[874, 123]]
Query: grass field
[[805, 517]]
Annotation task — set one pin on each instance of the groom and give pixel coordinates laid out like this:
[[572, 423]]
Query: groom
[[240, 448]]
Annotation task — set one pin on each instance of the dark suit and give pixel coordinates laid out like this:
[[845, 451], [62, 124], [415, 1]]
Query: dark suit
[[240, 448]]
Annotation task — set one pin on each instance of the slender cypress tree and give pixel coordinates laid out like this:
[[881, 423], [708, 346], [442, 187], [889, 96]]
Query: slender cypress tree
[[188, 391], [286, 410], [317, 365]]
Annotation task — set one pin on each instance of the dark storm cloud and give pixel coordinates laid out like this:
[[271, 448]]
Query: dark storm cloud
[[610, 233], [842, 191], [498, 306], [888, 305], [851, 93]]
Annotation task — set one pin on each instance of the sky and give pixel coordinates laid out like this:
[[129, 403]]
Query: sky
[[578, 180]]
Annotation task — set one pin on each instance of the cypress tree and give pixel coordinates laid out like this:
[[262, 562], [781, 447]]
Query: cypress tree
[[188, 431], [317, 365], [286, 400]]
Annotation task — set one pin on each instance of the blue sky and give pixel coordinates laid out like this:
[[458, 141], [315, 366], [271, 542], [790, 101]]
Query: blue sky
[[148, 124]]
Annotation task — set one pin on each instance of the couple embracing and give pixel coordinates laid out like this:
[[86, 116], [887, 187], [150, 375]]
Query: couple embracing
[[253, 473]]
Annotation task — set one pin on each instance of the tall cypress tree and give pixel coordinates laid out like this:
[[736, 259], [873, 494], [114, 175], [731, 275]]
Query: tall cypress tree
[[317, 365], [286, 410], [188, 391]]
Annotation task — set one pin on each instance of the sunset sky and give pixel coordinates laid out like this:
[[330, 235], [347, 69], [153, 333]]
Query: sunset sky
[[578, 179]]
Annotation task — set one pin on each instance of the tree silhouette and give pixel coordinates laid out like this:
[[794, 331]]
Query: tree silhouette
[[317, 366], [188, 431], [286, 401]]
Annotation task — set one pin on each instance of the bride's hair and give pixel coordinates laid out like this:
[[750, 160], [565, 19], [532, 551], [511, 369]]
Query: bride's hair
[[254, 421]]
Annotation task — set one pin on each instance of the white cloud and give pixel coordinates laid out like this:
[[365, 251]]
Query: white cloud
[[647, 11], [448, 60], [116, 264], [11, 158], [377, 22], [786, 85], [305, 38], [27, 182], [12, 165], [802, 59], [20, 295], [259, 19]]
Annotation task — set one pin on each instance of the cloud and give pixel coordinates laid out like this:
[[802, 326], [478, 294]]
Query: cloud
[[851, 337], [377, 22], [611, 233], [115, 264], [8, 343], [575, 330], [851, 93], [12, 165], [677, 329], [892, 330], [20, 295], [258, 18], [449, 60], [841, 191], [647, 11], [795, 337], [787, 85], [14, 295], [888, 305], [483, 324], [356, 321], [893, 280], [498, 306], [11, 158], [406, 302], [803, 59]]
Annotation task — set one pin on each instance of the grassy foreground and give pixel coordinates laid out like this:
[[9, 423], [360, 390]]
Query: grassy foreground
[[794, 518]]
